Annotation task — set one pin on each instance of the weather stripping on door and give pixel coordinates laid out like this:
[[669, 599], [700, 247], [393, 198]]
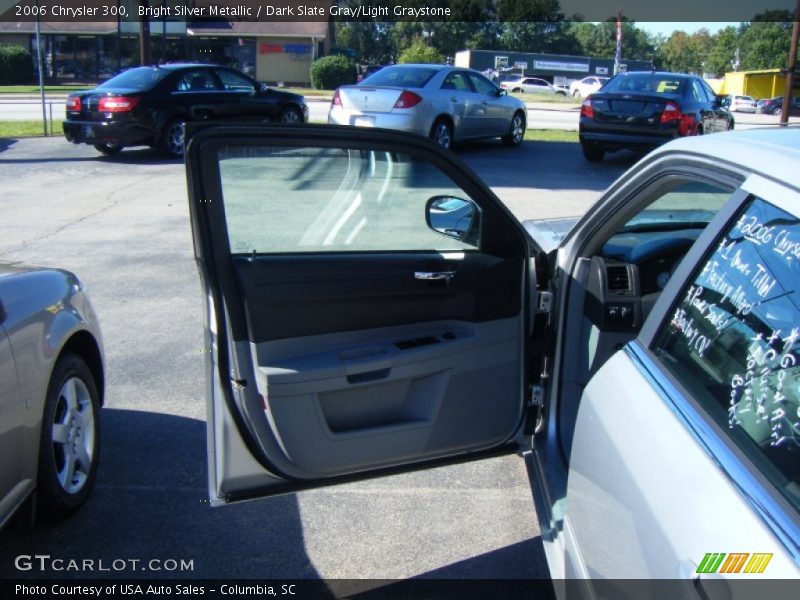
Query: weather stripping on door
[[434, 275]]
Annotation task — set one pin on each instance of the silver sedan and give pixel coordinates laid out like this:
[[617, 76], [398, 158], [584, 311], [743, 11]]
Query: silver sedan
[[51, 390], [446, 104]]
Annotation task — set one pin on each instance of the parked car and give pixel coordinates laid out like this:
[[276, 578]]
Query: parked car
[[586, 86], [51, 390], [531, 85], [350, 331], [774, 106], [642, 110], [742, 103], [446, 104], [149, 106]]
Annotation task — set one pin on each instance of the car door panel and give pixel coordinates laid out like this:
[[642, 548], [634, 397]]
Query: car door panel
[[12, 437], [331, 363]]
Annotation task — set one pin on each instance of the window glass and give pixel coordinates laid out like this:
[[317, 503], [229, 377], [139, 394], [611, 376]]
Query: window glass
[[481, 84], [402, 76], [733, 340], [709, 92], [198, 80], [291, 200], [139, 78], [645, 82], [233, 82], [457, 81], [698, 91]]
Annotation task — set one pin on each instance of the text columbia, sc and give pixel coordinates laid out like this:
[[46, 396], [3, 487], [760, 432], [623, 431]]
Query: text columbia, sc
[[268, 10]]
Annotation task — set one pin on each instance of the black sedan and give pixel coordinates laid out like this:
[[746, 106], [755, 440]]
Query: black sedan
[[148, 106], [642, 110], [774, 106]]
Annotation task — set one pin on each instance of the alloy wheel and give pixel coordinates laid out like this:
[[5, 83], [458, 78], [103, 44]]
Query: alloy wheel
[[73, 435]]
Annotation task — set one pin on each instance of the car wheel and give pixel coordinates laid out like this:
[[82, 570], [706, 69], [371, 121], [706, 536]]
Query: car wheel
[[699, 130], [730, 125], [290, 115], [173, 137], [517, 132], [108, 149], [592, 153], [561, 93], [517, 90], [576, 94], [778, 112], [69, 446], [442, 133]]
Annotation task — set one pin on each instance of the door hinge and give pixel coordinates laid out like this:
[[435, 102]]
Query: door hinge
[[537, 396], [544, 302]]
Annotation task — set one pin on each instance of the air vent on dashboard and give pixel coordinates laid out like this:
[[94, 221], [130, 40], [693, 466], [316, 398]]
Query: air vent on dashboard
[[618, 278]]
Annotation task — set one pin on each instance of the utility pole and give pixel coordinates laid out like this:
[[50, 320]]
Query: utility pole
[[791, 72], [618, 52], [144, 35]]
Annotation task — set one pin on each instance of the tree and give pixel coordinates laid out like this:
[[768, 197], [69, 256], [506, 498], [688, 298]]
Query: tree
[[685, 53], [721, 51], [764, 42], [600, 40], [420, 52], [371, 41]]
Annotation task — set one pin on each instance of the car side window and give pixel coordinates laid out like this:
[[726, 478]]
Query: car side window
[[712, 96], [457, 80], [698, 92], [233, 82], [196, 80], [733, 340], [299, 200], [481, 84]]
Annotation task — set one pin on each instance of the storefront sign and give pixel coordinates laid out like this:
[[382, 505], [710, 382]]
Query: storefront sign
[[284, 48], [552, 65]]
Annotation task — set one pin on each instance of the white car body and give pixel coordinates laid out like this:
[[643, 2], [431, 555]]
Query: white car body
[[586, 86], [743, 104], [603, 354], [531, 85]]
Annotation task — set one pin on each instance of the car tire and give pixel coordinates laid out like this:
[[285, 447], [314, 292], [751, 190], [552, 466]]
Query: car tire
[[172, 138], [592, 153], [561, 93], [108, 149], [290, 116], [517, 90], [442, 133], [516, 134], [699, 130], [70, 439], [778, 112], [576, 94]]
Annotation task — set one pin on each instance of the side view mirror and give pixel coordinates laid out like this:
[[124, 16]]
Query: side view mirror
[[454, 217], [262, 87], [501, 92]]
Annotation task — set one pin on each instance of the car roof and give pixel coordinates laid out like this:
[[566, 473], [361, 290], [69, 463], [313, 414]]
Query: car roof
[[657, 74], [773, 152], [183, 65]]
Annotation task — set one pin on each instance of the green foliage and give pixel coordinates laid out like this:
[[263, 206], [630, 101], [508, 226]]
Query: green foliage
[[599, 40], [765, 44], [722, 51], [419, 52], [684, 53], [329, 72], [16, 65]]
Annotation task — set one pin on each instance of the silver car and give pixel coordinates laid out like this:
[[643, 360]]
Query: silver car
[[51, 390], [371, 305], [531, 85], [446, 104]]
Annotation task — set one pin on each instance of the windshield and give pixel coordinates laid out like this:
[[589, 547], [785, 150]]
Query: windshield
[[645, 82], [402, 76], [139, 78]]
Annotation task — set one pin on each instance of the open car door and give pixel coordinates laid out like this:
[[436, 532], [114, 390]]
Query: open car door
[[367, 303]]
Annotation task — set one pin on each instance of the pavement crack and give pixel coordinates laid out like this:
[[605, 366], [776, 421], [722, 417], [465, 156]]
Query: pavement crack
[[26, 243]]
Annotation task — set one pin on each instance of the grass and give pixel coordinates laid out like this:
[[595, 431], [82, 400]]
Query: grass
[[550, 135], [20, 129], [34, 89], [547, 98]]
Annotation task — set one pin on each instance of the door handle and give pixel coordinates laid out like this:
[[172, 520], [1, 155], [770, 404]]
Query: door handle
[[434, 275]]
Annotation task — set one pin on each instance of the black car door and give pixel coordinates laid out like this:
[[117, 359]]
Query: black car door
[[197, 93], [355, 323], [241, 97]]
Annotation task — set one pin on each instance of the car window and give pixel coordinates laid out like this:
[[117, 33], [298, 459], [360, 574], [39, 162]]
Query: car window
[[698, 92], [402, 76], [234, 82], [280, 200], [139, 78], [733, 340], [481, 84], [645, 82], [712, 96], [457, 81], [196, 80]]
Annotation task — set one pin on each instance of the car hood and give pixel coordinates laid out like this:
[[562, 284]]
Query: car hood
[[548, 233], [16, 268]]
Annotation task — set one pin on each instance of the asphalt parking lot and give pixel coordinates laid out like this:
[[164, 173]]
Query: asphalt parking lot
[[121, 224]]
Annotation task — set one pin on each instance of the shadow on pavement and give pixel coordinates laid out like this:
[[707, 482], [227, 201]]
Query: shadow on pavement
[[6, 143], [150, 502]]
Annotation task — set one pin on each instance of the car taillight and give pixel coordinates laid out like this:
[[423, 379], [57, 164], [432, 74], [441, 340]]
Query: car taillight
[[407, 100], [74, 103], [586, 109], [671, 113], [117, 103], [336, 100]]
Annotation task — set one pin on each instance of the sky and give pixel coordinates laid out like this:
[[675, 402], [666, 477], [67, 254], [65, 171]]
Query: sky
[[688, 26]]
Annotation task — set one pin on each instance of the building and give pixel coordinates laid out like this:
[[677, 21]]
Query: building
[[767, 83], [557, 69], [88, 52]]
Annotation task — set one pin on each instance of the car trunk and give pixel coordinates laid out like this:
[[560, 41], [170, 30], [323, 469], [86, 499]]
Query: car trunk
[[630, 108], [90, 102], [369, 98]]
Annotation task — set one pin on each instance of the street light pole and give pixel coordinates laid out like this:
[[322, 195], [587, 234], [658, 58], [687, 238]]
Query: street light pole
[[144, 35], [41, 69]]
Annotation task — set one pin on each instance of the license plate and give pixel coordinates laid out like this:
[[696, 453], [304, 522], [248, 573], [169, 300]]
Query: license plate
[[364, 121], [88, 131]]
